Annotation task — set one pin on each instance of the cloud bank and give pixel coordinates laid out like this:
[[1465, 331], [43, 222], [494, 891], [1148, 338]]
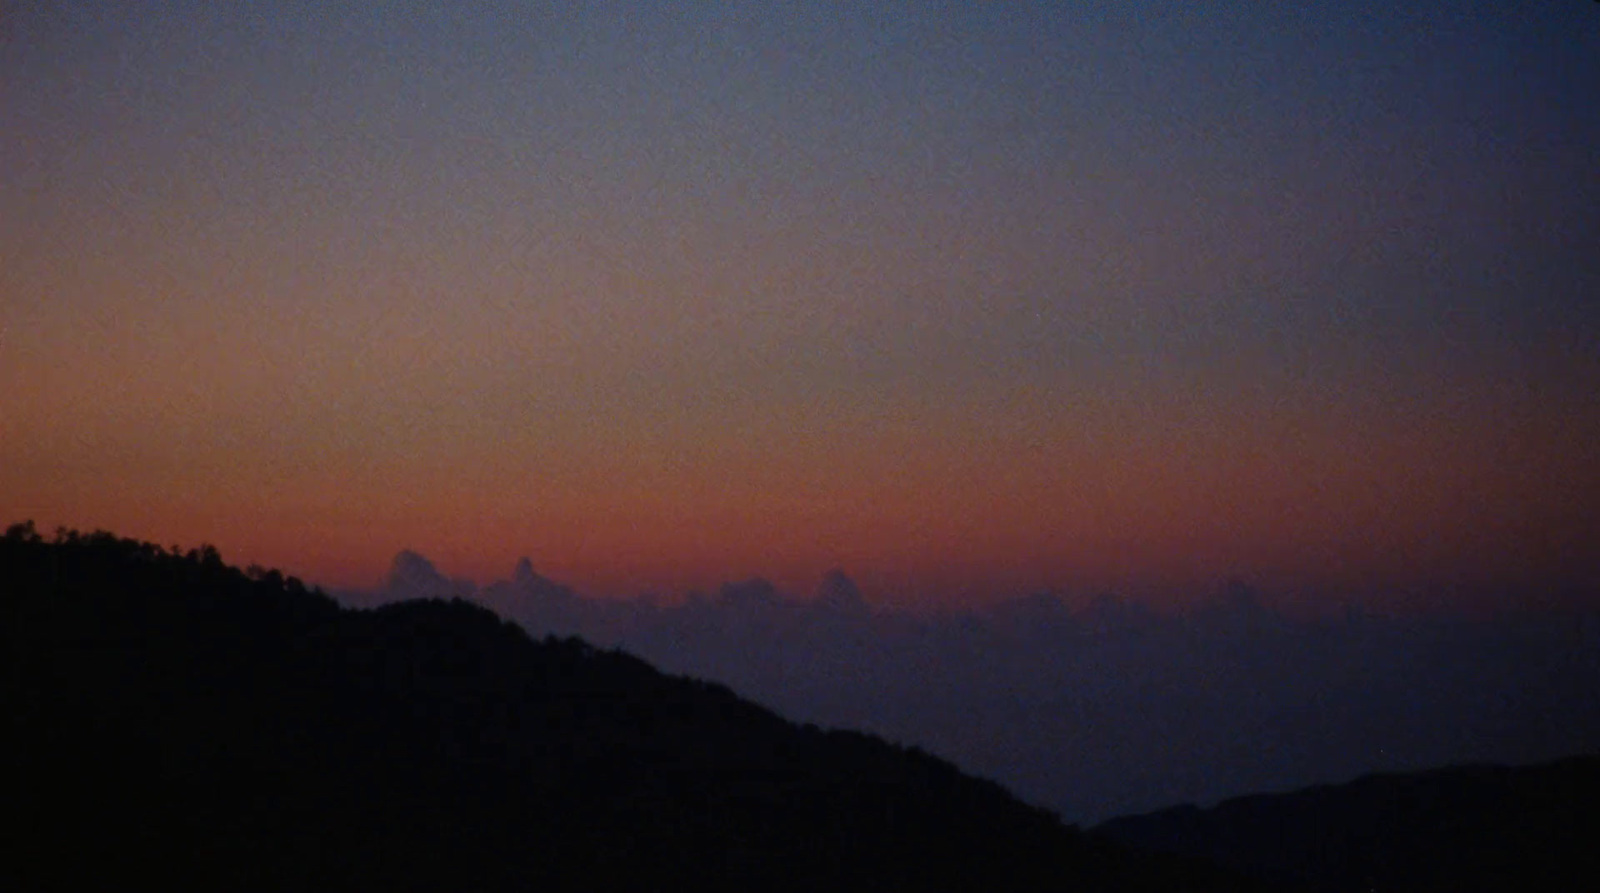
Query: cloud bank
[[1112, 708]]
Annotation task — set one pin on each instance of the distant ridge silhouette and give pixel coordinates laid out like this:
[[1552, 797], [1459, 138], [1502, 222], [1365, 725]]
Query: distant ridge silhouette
[[175, 723], [1460, 829]]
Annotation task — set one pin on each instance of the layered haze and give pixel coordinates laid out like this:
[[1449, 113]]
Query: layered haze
[[1098, 707]]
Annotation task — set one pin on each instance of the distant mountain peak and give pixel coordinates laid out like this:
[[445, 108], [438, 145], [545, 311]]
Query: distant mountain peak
[[524, 573], [412, 568], [412, 575]]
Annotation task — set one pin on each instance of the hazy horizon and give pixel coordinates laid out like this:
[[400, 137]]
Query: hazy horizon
[[1106, 706], [1111, 297]]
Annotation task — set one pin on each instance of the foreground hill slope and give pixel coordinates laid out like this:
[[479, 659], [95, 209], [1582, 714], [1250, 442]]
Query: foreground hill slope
[[1462, 829], [171, 722]]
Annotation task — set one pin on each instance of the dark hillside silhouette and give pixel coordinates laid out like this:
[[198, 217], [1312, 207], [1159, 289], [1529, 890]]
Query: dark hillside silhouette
[[175, 723], [1464, 829]]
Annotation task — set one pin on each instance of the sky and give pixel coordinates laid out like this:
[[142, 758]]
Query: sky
[[970, 300]]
